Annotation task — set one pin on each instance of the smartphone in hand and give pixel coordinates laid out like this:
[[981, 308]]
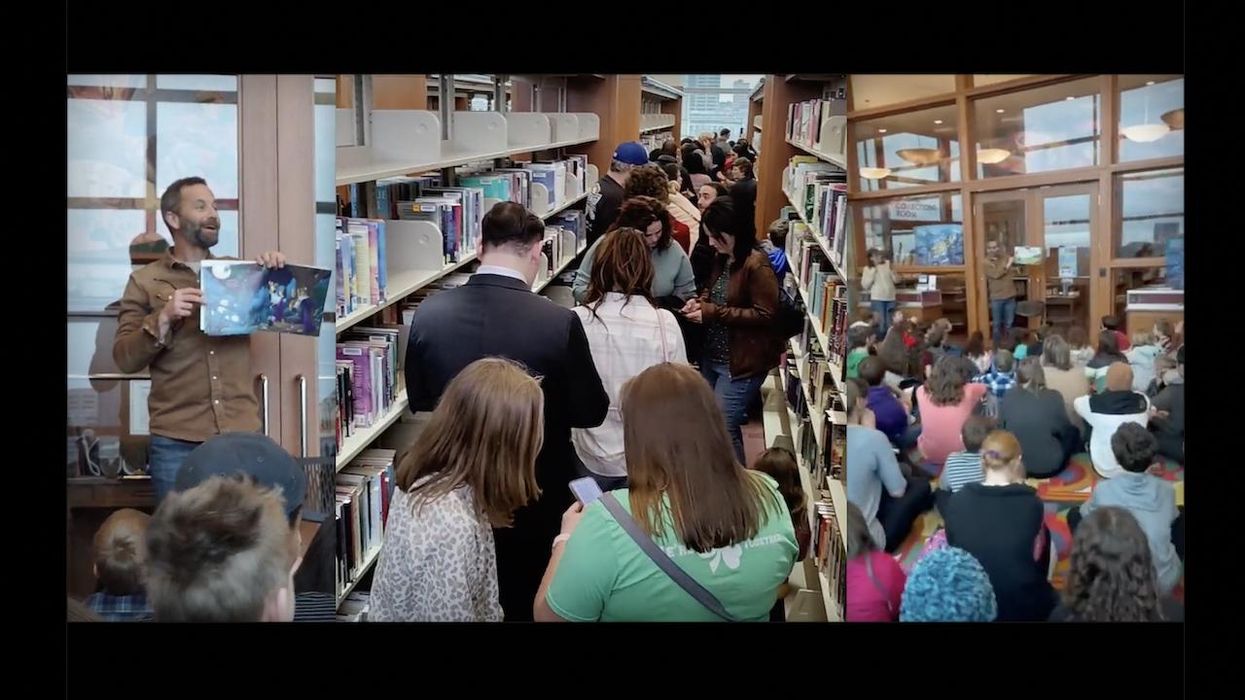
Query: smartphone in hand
[[586, 490]]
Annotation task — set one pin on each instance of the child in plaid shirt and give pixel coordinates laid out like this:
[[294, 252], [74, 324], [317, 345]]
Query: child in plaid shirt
[[120, 559], [1002, 375]]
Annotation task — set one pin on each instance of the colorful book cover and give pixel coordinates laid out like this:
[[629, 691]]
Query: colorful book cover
[[939, 244], [242, 297], [361, 381], [1175, 262], [373, 251]]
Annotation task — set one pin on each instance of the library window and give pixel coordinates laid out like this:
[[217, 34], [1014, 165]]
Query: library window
[[1151, 119], [911, 149], [918, 231], [1053, 127], [1150, 220], [714, 102]]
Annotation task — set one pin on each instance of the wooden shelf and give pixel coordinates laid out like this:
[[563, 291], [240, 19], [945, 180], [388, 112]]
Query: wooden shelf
[[818, 237], [353, 445], [367, 564], [836, 159]]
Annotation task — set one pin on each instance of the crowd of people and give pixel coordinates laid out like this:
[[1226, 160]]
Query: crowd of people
[[642, 387], [959, 430]]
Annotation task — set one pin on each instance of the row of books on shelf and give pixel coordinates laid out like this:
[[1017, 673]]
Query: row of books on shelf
[[571, 220], [355, 607], [368, 380], [819, 193], [812, 363], [361, 509], [360, 251], [830, 553], [825, 294], [810, 123], [654, 139]]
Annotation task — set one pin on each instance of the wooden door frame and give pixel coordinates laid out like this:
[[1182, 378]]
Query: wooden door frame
[[1035, 224]]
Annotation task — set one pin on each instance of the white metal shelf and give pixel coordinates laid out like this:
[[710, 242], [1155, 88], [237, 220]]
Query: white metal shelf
[[353, 445], [835, 159], [402, 285], [836, 371], [406, 283], [540, 286], [380, 169]]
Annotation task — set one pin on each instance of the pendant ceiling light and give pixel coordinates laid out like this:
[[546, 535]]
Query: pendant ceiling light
[[1174, 119], [920, 156], [875, 173], [1145, 132], [990, 156]]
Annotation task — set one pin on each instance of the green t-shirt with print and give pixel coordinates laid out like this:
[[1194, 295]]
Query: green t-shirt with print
[[604, 575]]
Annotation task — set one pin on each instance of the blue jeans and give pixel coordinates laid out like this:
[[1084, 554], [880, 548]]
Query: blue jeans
[[883, 310], [165, 458], [734, 395], [1002, 315]]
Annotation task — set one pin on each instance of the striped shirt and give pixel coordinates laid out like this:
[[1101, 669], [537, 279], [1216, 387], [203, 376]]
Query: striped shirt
[[961, 468]]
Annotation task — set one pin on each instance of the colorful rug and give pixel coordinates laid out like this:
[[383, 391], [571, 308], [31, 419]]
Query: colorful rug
[[1059, 494]]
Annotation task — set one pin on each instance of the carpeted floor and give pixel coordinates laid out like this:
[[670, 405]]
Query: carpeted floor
[[1059, 493]]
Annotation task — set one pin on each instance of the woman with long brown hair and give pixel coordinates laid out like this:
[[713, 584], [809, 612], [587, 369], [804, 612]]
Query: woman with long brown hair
[[737, 309], [673, 282], [1111, 574], [725, 526], [627, 334], [471, 467], [652, 181]]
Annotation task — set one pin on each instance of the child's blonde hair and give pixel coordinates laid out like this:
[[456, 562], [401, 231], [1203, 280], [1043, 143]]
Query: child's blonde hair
[[1143, 338], [120, 554]]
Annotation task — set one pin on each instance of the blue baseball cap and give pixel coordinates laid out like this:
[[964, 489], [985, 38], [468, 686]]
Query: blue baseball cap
[[631, 153]]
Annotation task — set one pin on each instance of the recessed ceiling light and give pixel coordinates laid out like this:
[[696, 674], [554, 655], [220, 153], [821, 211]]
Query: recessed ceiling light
[[1149, 82], [881, 131], [1000, 110], [1069, 98], [937, 121]]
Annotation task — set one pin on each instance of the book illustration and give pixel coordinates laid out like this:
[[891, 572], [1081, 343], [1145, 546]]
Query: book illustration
[[939, 244], [1027, 255], [242, 297]]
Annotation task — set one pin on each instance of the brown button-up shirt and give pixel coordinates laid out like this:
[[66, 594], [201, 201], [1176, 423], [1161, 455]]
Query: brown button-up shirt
[[999, 279], [200, 385]]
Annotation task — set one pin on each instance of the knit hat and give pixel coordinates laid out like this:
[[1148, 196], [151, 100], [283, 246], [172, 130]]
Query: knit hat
[[948, 585]]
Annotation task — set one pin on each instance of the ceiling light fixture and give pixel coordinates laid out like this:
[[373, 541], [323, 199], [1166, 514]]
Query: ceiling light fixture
[[1145, 132], [990, 156], [1000, 110], [875, 173], [920, 156], [937, 121], [881, 131]]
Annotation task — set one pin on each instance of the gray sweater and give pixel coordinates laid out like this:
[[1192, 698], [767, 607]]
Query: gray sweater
[[672, 273], [1153, 502]]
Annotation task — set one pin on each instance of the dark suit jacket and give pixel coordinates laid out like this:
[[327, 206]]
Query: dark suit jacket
[[494, 315]]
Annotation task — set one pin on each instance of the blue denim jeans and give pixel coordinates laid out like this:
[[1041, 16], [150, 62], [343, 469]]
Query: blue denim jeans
[[1002, 315], [883, 310], [165, 458], [733, 395]]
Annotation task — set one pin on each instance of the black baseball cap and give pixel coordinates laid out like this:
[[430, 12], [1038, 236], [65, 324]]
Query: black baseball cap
[[246, 453]]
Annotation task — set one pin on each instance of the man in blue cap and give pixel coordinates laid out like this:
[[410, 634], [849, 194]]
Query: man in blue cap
[[607, 198]]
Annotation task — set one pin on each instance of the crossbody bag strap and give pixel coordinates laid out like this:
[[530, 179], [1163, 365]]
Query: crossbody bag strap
[[663, 562]]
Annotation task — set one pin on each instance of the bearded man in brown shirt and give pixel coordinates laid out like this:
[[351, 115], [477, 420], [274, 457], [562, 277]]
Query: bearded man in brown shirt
[[200, 385]]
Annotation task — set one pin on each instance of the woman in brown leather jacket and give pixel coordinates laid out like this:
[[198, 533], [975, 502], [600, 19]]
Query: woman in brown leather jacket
[[737, 307]]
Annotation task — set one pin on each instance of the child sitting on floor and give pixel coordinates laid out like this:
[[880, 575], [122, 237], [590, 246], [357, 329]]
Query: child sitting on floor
[[1150, 499], [1142, 356], [781, 466], [860, 341], [1078, 342], [976, 351], [120, 566], [964, 467], [1002, 375], [1019, 343]]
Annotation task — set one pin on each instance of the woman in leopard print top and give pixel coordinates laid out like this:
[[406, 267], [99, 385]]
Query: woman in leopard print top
[[472, 466]]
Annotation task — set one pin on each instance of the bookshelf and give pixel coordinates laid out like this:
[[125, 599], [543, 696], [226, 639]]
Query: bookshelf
[[410, 125], [818, 236], [661, 106], [832, 158]]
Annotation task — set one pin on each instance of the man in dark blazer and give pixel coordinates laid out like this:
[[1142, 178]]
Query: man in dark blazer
[[495, 314]]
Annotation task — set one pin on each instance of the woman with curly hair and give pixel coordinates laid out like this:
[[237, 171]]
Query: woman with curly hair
[[1111, 577], [651, 181], [673, 283], [945, 402]]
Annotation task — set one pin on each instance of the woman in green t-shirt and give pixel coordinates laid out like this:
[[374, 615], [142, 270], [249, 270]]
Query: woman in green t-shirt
[[726, 526]]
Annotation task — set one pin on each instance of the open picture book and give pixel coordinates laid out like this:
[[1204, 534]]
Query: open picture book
[[241, 297]]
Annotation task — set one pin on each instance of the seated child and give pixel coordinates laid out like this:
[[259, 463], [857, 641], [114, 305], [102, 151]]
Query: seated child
[[120, 566], [1002, 374], [964, 467], [860, 341], [781, 466], [1143, 356]]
